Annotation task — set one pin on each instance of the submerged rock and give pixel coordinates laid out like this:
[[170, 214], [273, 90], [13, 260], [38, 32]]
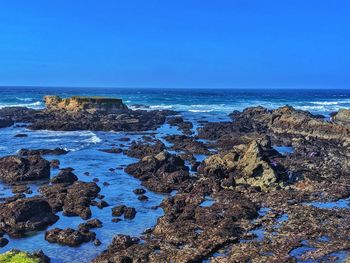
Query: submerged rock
[[21, 135], [14, 168], [25, 215], [57, 151], [112, 150]]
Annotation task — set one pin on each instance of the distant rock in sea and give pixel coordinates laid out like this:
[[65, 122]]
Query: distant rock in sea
[[89, 104]]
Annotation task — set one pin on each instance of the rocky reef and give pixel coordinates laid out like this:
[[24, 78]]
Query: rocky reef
[[84, 113], [220, 208], [15, 168], [26, 215], [247, 200]]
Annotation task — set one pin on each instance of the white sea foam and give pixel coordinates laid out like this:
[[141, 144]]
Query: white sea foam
[[93, 139], [24, 99], [34, 105], [200, 110], [161, 106]]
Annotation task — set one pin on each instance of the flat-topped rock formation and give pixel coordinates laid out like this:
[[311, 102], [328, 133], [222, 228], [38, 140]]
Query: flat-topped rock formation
[[89, 104], [85, 113]]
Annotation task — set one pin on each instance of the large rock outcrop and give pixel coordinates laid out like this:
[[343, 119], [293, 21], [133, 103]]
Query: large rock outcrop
[[89, 104], [160, 173], [289, 121], [343, 116], [95, 114], [15, 168], [245, 164], [26, 215]]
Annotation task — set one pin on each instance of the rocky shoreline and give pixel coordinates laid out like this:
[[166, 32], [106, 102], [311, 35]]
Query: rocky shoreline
[[246, 201]]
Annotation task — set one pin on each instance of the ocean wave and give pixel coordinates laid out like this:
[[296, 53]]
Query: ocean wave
[[338, 102], [34, 105], [200, 110], [93, 139], [325, 102], [24, 99], [161, 106]]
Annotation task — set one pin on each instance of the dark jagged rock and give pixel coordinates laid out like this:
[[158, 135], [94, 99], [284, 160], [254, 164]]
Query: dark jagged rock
[[140, 150], [129, 213], [21, 188], [25, 215], [139, 191], [118, 210], [64, 176], [55, 163], [119, 244], [100, 204], [14, 168], [74, 199], [142, 198], [187, 144], [5, 122], [160, 173], [57, 151], [185, 126], [21, 135], [112, 150], [3, 242], [289, 121], [92, 223], [69, 236]]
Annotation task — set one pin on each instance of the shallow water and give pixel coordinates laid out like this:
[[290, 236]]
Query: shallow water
[[284, 149], [84, 156], [341, 203]]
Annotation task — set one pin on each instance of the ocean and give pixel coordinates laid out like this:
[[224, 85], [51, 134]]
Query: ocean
[[210, 102], [84, 146]]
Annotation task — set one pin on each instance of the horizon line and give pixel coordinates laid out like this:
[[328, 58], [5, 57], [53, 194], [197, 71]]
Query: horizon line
[[183, 88]]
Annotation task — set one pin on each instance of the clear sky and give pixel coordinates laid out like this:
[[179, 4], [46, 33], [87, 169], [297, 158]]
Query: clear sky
[[175, 43]]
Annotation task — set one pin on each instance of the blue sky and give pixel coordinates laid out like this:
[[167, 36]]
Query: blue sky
[[182, 43]]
